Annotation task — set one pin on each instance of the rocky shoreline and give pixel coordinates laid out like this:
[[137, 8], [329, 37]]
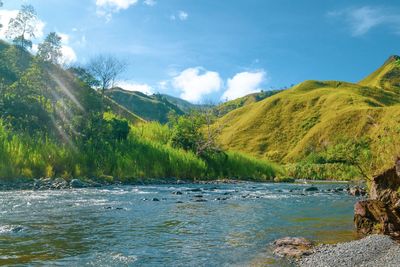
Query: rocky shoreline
[[63, 184], [373, 251]]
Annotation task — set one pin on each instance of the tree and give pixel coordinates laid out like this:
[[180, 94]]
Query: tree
[[84, 76], [50, 49], [23, 27], [106, 69]]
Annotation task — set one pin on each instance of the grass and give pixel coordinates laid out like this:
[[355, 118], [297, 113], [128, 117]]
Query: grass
[[290, 125], [145, 154]]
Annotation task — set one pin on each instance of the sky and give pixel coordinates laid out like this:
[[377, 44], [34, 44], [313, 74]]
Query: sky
[[218, 50]]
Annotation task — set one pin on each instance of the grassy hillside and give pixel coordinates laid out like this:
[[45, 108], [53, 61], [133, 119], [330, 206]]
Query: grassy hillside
[[228, 106], [182, 104], [151, 108], [54, 125], [314, 115]]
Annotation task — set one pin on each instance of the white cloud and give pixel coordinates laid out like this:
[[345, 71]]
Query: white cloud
[[244, 83], [150, 2], [105, 8], [195, 83], [163, 85], [363, 19], [6, 15], [133, 86], [115, 4], [68, 55], [181, 15], [64, 38]]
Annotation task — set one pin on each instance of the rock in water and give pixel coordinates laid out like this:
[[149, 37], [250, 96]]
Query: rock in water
[[76, 183], [293, 247], [381, 214], [311, 189]]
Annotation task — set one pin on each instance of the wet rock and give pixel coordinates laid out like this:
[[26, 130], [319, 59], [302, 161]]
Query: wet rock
[[177, 193], [381, 214], [292, 247], [357, 191], [76, 183], [59, 183], [155, 199], [17, 229], [221, 198], [311, 189], [198, 196], [200, 200], [196, 190], [179, 202]]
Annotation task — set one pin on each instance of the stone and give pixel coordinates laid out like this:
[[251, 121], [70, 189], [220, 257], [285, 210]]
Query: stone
[[311, 189], [155, 199], [76, 183], [357, 191], [380, 214], [293, 247]]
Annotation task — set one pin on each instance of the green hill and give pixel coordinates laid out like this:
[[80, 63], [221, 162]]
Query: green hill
[[289, 126], [54, 125], [151, 108], [228, 106], [182, 104]]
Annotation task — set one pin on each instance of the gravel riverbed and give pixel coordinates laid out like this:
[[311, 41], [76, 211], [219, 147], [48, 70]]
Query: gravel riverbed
[[374, 251]]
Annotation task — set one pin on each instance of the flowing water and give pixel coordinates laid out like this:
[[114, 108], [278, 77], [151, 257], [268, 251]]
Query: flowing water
[[190, 225]]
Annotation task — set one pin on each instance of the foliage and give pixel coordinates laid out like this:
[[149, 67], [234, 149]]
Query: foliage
[[290, 126], [50, 49], [23, 27], [54, 125]]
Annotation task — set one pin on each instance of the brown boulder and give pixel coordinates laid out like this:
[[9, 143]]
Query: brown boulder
[[381, 213], [293, 247]]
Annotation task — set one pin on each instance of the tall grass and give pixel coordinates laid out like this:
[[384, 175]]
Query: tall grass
[[141, 156]]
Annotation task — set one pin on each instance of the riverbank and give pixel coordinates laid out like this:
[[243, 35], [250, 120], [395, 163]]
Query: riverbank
[[60, 183], [374, 251]]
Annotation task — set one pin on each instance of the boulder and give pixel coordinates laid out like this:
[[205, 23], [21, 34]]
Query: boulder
[[357, 191], [380, 214], [76, 183], [311, 189], [293, 247]]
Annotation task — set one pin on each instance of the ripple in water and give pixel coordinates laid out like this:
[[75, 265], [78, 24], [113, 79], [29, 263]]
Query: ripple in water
[[202, 225]]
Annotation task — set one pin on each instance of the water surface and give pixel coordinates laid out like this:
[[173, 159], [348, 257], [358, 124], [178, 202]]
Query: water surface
[[201, 225]]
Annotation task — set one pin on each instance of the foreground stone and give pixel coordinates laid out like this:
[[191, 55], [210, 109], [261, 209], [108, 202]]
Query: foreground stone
[[292, 247], [381, 213], [372, 251]]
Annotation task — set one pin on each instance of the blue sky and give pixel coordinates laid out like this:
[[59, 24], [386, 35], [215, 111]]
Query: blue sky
[[213, 50]]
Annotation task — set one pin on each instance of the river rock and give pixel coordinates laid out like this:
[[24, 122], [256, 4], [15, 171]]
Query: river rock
[[357, 191], [381, 214], [59, 183], [76, 183], [293, 247], [311, 189]]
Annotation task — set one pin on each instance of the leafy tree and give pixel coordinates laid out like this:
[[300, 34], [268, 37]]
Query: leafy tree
[[23, 27], [194, 133], [106, 69], [354, 152], [84, 76], [50, 49]]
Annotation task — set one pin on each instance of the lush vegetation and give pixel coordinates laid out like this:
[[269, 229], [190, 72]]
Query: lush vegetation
[[149, 107], [53, 123], [299, 126]]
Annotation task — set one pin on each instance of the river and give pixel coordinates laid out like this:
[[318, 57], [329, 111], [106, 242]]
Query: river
[[167, 225]]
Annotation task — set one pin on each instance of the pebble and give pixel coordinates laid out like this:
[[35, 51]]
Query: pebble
[[371, 251]]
